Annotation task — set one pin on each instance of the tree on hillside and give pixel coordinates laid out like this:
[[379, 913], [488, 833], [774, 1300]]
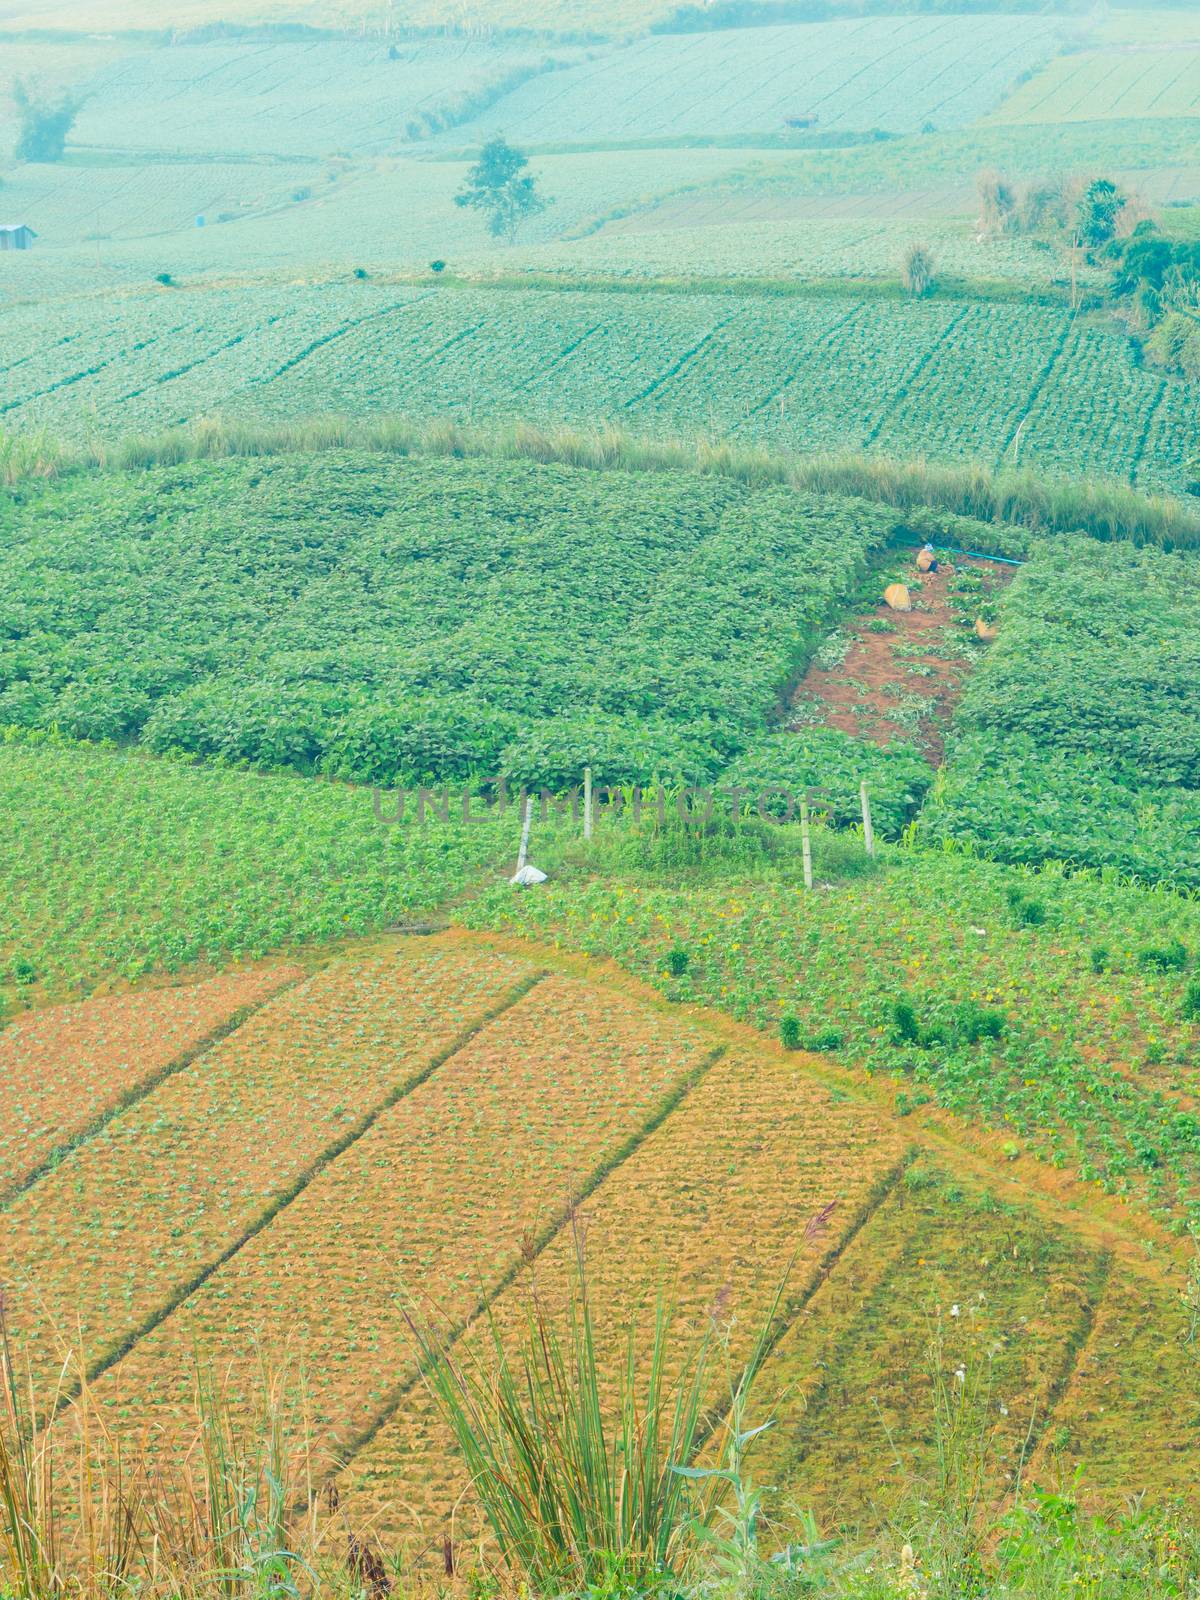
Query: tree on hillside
[[43, 124], [917, 272], [499, 186]]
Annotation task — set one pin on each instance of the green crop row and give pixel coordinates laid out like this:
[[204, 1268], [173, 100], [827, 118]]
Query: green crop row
[[948, 380], [422, 620], [1081, 732]]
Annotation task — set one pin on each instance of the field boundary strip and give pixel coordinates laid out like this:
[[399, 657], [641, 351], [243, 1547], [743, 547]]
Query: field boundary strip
[[605, 1169], [145, 1086], [183, 1292]]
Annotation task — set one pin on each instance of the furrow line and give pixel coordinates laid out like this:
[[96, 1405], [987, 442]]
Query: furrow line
[[139, 1091], [677, 367], [911, 377], [876, 1198], [600, 1173], [1039, 383], [295, 1189]]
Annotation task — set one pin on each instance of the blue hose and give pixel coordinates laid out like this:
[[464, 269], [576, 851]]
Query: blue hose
[[979, 555]]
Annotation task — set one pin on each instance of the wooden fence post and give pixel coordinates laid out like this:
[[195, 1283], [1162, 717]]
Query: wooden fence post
[[806, 844], [523, 852], [868, 830]]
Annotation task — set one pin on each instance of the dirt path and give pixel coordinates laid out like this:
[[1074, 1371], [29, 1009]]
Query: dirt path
[[904, 671]]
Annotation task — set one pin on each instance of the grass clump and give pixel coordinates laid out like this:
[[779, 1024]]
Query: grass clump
[[1014, 502], [584, 1468]]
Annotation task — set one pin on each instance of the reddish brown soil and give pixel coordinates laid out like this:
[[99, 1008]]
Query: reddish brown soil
[[854, 696]]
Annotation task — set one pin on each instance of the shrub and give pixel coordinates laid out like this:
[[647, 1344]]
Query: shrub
[[677, 961], [419, 742], [1026, 913], [975, 1022], [835, 764], [584, 1474], [269, 725], [1190, 1009], [1172, 957], [552, 753], [102, 709], [789, 1032], [917, 272], [437, 266], [1100, 958], [904, 1018]]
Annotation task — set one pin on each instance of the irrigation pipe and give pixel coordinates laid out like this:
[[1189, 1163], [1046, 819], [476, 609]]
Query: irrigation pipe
[[979, 555]]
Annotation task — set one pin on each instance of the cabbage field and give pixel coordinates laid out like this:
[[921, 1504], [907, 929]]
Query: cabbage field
[[895, 73], [948, 378], [305, 99], [1110, 83]]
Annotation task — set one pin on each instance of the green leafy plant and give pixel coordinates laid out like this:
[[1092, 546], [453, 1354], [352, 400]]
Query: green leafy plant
[[1170, 957]]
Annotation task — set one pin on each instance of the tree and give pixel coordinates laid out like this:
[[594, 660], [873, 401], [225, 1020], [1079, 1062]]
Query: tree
[[44, 125], [499, 186], [917, 272], [1097, 212]]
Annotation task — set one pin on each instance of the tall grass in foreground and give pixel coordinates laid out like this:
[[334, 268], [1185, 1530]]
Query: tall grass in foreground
[[582, 1463], [1014, 499], [88, 1513], [584, 1470]]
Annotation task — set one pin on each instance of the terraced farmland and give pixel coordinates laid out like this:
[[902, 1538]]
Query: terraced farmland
[[895, 73], [1110, 83], [591, 18], [707, 1210], [693, 1162], [311, 99], [745, 240], [119, 1049], [445, 1195], [951, 379], [182, 1177], [89, 204]]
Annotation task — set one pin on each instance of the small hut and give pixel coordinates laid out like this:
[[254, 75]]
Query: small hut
[[16, 236]]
